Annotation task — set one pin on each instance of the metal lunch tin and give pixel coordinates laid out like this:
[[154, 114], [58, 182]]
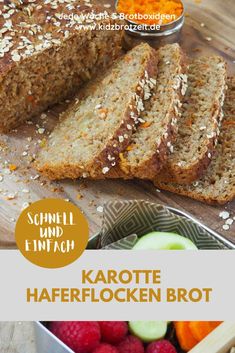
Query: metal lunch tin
[[47, 342], [94, 241], [221, 340]]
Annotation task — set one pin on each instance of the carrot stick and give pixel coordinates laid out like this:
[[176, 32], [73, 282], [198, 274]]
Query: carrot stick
[[185, 338]]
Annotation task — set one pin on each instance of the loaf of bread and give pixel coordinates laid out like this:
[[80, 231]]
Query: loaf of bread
[[47, 50], [199, 126], [95, 130], [153, 139], [217, 186]]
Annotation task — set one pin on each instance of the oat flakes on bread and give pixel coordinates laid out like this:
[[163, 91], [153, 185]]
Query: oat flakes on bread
[[45, 57], [149, 146], [217, 186], [94, 131], [199, 125]]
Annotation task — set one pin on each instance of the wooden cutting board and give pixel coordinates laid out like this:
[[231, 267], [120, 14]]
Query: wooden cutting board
[[209, 28]]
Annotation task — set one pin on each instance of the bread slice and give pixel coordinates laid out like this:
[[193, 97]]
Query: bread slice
[[217, 186], [45, 56], [149, 146], [94, 131], [200, 123]]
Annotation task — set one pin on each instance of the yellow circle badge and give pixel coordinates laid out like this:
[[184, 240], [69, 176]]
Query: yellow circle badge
[[52, 233]]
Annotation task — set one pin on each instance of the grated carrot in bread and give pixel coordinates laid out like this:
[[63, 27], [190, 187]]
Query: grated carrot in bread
[[108, 113], [146, 125], [153, 139], [12, 167], [44, 59], [200, 123], [217, 186]]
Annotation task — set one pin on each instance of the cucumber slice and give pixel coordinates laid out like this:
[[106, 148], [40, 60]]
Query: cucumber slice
[[148, 331], [164, 241]]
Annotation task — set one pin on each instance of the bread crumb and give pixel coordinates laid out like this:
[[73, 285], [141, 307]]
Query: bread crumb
[[105, 170], [41, 131], [226, 227], [224, 215], [11, 197], [25, 191], [12, 167], [229, 221], [25, 205], [100, 209], [34, 177]]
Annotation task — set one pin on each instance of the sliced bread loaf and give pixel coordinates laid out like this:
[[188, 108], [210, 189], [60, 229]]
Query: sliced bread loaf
[[47, 50], [199, 125], [149, 146], [95, 130], [218, 184]]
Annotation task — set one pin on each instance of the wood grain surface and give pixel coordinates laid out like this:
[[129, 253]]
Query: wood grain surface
[[218, 17], [209, 28]]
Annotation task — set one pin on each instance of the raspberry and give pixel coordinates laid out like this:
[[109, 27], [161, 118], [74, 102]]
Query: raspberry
[[105, 348], [162, 346], [80, 336], [131, 344], [113, 331]]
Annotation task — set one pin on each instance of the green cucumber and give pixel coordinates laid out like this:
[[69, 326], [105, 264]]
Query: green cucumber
[[164, 241], [148, 331]]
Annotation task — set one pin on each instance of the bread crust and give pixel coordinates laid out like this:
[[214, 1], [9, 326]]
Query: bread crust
[[148, 169], [103, 160], [177, 189], [152, 167], [23, 61], [107, 159], [172, 173], [217, 186]]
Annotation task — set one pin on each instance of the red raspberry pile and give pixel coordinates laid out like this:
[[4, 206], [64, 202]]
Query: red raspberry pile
[[104, 337]]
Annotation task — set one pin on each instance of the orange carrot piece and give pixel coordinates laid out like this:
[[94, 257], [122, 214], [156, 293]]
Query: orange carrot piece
[[215, 324], [229, 122], [130, 147], [201, 329], [172, 8], [183, 333], [12, 167], [146, 124]]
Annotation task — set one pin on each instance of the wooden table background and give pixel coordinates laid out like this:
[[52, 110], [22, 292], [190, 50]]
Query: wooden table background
[[218, 17]]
